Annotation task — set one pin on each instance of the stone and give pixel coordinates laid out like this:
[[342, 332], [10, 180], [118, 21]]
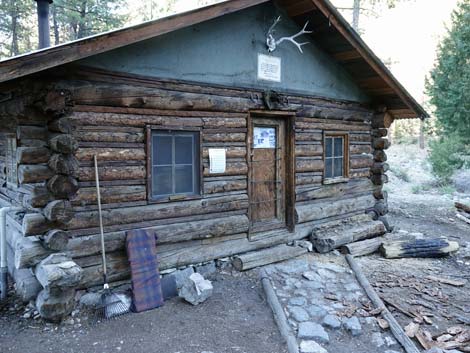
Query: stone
[[377, 339], [331, 321], [327, 274], [311, 347], [301, 292], [181, 276], [58, 271], [313, 285], [390, 341], [312, 330], [207, 269], [55, 306], [331, 267], [312, 276], [298, 314], [196, 289], [317, 311], [299, 301], [91, 300], [293, 266], [352, 287], [353, 325], [461, 180]]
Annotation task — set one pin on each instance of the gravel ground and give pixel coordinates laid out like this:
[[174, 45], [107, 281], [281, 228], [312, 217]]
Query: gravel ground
[[235, 319]]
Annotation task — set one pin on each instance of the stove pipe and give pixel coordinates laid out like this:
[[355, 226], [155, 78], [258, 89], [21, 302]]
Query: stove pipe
[[43, 23]]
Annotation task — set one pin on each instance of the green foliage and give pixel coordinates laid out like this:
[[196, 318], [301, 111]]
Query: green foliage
[[16, 26], [406, 131], [449, 82], [74, 19], [448, 153], [401, 174]]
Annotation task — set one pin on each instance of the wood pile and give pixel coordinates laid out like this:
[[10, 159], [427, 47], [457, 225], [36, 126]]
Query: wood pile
[[455, 337], [418, 248], [463, 212]]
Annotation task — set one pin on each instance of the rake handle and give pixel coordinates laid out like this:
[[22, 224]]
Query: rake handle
[[98, 196]]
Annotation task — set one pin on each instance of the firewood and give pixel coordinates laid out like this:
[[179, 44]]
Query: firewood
[[268, 256], [418, 248], [449, 281], [364, 247], [463, 218], [463, 207]]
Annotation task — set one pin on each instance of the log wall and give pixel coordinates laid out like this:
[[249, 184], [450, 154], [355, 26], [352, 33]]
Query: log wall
[[109, 119]]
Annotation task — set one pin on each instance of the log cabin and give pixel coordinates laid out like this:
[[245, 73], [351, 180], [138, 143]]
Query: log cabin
[[227, 129]]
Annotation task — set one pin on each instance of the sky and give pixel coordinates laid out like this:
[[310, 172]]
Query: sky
[[407, 35]]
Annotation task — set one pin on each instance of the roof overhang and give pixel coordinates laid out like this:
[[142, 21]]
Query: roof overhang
[[330, 31]]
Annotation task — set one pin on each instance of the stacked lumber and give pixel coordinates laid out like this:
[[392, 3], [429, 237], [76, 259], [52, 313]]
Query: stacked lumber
[[418, 248], [335, 237], [463, 212]]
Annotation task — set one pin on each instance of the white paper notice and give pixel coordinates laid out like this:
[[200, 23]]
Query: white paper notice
[[264, 137], [216, 160], [269, 68]]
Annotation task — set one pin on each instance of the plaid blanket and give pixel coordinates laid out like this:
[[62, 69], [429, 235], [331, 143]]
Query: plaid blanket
[[142, 255]]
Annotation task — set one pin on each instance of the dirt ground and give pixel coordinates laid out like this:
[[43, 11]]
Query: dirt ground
[[235, 319]]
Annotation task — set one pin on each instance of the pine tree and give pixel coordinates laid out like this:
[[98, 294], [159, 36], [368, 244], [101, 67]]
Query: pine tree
[[449, 82], [74, 19], [16, 26]]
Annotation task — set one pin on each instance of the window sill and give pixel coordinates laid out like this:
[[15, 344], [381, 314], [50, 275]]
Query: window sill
[[335, 181], [168, 199]]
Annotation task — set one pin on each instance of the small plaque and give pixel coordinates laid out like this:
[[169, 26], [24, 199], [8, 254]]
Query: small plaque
[[217, 160], [264, 137], [269, 68]]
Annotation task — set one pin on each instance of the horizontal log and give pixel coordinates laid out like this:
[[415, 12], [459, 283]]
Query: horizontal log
[[357, 162], [463, 207], [219, 186], [308, 150], [35, 224], [330, 124], [224, 137], [26, 132], [329, 208], [266, 256], [111, 154], [380, 143], [363, 247], [33, 173], [110, 194], [193, 252], [32, 155], [59, 211], [303, 164], [159, 211], [379, 179], [106, 136], [113, 173], [62, 186], [37, 196], [62, 125], [308, 178], [230, 152], [359, 149], [380, 156], [55, 239], [359, 173], [32, 143], [338, 190], [438, 247], [64, 164], [309, 136], [27, 286], [231, 168], [58, 271], [63, 143], [380, 168], [336, 237]]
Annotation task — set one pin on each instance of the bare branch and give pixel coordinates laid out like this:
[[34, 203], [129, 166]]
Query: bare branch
[[292, 38]]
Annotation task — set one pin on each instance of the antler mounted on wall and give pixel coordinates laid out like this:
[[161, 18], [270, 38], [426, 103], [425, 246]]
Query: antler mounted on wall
[[272, 43]]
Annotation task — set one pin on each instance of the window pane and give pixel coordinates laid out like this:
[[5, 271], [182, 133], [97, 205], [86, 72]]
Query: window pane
[[329, 168], [184, 149], [183, 178], [162, 149], [339, 147], [338, 172], [162, 183], [329, 147]]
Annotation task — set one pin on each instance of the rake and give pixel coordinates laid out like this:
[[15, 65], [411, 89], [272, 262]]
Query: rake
[[111, 304]]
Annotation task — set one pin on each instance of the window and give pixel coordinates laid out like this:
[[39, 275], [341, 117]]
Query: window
[[336, 156], [174, 164]]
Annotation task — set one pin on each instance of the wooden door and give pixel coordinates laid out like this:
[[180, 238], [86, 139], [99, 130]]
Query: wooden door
[[267, 162]]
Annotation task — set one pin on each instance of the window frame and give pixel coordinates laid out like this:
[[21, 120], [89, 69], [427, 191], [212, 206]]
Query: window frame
[[150, 129], [345, 176]]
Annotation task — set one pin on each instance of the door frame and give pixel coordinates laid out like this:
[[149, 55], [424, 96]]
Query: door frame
[[289, 118]]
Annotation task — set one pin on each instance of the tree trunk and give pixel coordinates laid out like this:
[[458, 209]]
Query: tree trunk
[[56, 25], [421, 134], [14, 29]]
